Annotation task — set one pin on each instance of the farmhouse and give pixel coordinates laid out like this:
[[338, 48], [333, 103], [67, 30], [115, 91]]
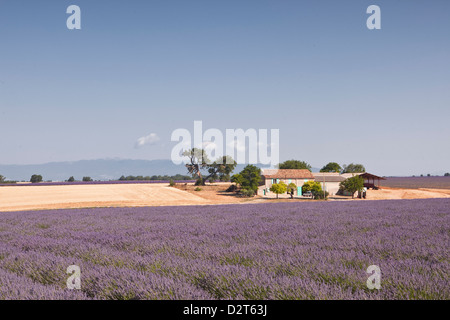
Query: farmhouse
[[271, 176], [329, 181]]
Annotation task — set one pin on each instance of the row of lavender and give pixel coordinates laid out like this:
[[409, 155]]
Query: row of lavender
[[275, 251], [63, 183]]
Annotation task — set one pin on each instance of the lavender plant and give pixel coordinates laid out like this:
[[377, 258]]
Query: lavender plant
[[252, 251]]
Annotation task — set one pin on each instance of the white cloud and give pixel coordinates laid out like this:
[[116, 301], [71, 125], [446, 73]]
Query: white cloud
[[151, 139]]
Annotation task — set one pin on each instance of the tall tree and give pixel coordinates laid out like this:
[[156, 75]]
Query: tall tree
[[331, 167], [353, 168], [353, 184], [2, 178], [250, 177], [294, 164], [198, 160], [221, 169]]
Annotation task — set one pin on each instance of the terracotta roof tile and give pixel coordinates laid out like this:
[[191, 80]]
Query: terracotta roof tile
[[287, 174]]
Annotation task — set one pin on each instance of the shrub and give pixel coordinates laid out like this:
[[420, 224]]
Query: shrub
[[35, 178], [319, 194], [232, 188], [248, 193], [198, 189], [171, 183]]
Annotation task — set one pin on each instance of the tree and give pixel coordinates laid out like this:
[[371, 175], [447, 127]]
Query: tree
[[71, 179], [87, 179], [353, 168], [294, 164], [198, 161], [447, 174], [2, 178], [36, 178], [314, 186], [352, 184], [278, 188], [221, 169], [250, 177], [238, 179], [331, 167], [291, 189]]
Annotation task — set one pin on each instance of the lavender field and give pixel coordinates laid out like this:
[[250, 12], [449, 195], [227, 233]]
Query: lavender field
[[277, 251], [417, 182]]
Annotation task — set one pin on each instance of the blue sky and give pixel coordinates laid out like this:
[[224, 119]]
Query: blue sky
[[336, 90]]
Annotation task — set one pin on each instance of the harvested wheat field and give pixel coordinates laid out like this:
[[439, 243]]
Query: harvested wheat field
[[16, 198]]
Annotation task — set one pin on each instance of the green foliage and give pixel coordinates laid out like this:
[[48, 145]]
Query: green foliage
[[198, 189], [71, 179], [312, 186], [221, 169], [87, 179], [2, 178], [447, 174], [316, 189], [279, 188], [353, 168], [238, 179], [331, 167], [171, 183], [352, 184], [217, 170], [251, 177], [291, 189], [320, 194], [36, 178], [247, 193], [294, 164], [232, 188]]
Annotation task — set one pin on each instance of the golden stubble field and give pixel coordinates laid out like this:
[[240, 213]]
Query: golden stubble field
[[18, 198]]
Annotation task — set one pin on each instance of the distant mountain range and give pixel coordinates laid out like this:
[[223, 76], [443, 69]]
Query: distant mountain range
[[102, 169]]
